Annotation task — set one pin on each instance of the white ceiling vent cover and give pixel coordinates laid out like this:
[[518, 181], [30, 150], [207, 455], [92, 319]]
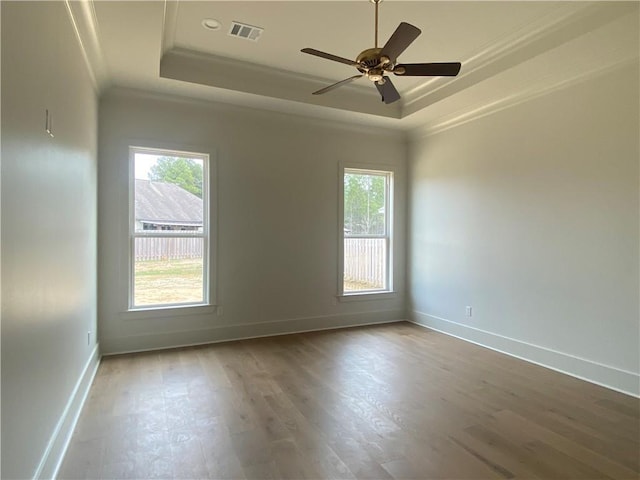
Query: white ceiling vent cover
[[248, 32]]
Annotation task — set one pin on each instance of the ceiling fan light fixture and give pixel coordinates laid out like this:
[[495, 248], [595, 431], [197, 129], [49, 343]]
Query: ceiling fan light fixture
[[211, 24], [375, 75]]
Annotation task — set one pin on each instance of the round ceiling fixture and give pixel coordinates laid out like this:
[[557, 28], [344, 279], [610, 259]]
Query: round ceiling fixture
[[211, 24]]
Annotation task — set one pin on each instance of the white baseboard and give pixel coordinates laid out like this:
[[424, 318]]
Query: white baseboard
[[226, 333], [59, 441], [604, 375]]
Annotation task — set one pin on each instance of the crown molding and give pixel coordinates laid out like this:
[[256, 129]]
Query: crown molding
[[563, 24], [178, 63], [267, 85], [489, 108], [546, 33], [226, 73], [275, 110], [169, 25], [83, 18]]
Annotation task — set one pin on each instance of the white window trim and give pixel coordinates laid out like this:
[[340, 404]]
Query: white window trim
[[389, 207], [166, 312], [209, 233]]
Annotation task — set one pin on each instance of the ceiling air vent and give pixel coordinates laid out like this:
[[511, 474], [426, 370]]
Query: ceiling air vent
[[248, 32]]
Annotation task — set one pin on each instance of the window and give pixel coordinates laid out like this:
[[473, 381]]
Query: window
[[168, 228], [366, 208]]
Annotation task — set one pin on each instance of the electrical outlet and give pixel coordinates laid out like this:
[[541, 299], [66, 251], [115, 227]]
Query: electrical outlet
[[469, 311]]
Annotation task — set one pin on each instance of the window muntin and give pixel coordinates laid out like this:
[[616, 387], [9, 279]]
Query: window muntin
[[168, 229], [366, 221]]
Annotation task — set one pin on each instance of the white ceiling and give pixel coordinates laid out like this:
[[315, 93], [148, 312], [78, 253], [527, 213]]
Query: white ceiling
[[509, 51]]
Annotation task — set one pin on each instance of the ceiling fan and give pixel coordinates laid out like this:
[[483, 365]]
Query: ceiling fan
[[375, 62]]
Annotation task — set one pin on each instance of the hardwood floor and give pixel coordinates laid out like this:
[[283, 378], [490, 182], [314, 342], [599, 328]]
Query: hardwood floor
[[383, 402]]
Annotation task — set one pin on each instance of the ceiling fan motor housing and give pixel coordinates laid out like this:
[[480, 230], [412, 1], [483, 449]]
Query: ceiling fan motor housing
[[372, 64], [369, 58]]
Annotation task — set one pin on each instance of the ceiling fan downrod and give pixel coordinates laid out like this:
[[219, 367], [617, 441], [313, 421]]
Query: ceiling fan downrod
[[376, 2]]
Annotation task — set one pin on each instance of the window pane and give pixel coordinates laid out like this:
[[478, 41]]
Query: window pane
[[364, 264], [364, 204], [168, 193], [168, 270]]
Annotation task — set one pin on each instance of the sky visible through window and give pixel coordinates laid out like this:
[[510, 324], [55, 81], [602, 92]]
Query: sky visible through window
[[143, 164]]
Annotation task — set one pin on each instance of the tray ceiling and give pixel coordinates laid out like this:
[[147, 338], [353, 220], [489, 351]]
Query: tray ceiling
[[508, 50]]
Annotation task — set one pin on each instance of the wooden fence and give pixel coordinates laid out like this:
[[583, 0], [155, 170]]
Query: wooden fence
[[171, 248], [364, 261], [364, 258]]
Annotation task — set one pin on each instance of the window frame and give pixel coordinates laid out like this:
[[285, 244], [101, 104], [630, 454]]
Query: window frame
[[208, 229], [388, 172]]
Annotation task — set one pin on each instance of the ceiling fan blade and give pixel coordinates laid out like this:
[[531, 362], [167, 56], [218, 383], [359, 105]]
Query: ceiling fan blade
[[448, 69], [328, 56], [404, 35], [388, 91], [336, 85]]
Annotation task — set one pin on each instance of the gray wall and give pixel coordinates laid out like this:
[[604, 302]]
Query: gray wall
[[531, 217], [277, 220], [48, 230]]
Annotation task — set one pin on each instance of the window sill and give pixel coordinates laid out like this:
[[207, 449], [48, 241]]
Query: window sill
[[361, 297], [163, 312]]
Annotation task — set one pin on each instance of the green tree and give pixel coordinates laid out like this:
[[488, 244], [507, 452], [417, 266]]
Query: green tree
[[184, 172], [364, 202]]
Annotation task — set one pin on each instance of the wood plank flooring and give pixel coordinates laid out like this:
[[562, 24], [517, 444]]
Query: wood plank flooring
[[383, 402]]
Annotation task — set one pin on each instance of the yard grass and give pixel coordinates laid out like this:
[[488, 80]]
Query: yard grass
[[180, 281], [168, 281], [353, 286]]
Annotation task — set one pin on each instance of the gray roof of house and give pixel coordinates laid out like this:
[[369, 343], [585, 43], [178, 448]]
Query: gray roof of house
[[166, 203]]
